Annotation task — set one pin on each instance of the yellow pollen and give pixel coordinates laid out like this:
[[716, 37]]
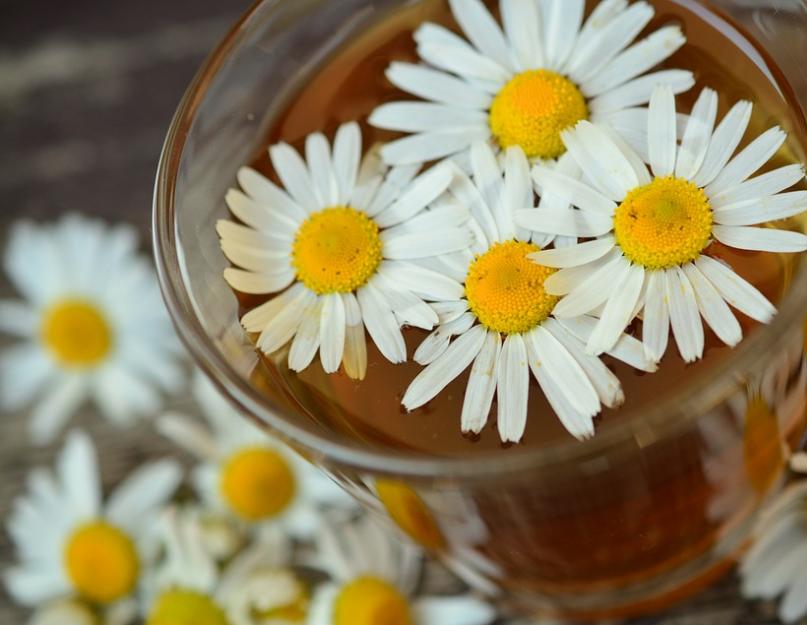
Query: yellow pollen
[[336, 250], [185, 607], [505, 289], [76, 333], [101, 562], [663, 224], [533, 108], [257, 483], [407, 510], [371, 601]]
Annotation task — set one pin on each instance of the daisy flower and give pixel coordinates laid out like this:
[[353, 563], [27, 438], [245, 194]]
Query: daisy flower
[[653, 230], [373, 579], [93, 325], [253, 589], [69, 543], [245, 473], [76, 612], [503, 321], [524, 82], [337, 246], [774, 566]]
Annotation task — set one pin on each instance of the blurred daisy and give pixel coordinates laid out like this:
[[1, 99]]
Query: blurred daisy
[[653, 230], [774, 566], [503, 321], [93, 326], [77, 612], [523, 83], [69, 543], [246, 473], [253, 589], [337, 246], [373, 579]]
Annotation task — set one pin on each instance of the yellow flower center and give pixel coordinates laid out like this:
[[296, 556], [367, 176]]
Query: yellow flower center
[[76, 332], [371, 601], [336, 250], [257, 483], [665, 223], [185, 607], [101, 562], [408, 511], [505, 289], [533, 108]]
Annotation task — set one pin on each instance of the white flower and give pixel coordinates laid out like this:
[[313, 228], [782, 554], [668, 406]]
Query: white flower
[[373, 579], [246, 473], [76, 612], [70, 543], [653, 231], [503, 321], [337, 245], [523, 83], [93, 326], [774, 566], [253, 589]]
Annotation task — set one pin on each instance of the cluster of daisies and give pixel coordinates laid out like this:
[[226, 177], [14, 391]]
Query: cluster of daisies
[[545, 201]]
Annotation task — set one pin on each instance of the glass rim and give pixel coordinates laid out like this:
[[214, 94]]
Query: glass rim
[[655, 423]]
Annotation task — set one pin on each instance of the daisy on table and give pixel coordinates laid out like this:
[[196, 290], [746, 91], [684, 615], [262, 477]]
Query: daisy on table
[[336, 247], [70, 544], [244, 473], [373, 580], [93, 325], [652, 230], [503, 321], [524, 82], [255, 588]]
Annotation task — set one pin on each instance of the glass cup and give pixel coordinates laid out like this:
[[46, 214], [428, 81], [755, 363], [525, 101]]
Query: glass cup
[[647, 512]]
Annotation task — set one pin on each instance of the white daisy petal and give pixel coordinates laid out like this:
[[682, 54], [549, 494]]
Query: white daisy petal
[[618, 311], [757, 211], [591, 292], [18, 319], [280, 329], [456, 610], [516, 193], [561, 20], [634, 159], [684, 314], [354, 359], [425, 282], [421, 244], [512, 389], [572, 191], [697, 135], [572, 223], [258, 283], [346, 160], [462, 60], [258, 260], [761, 239], [424, 116], [25, 369], [320, 169], [482, 30], [381, 324], [261, 189], [50, 413], [32, 586], [661, 132], [575, 255], [759, 152], [257, 318], [437, 86], [449, 311], [713, 308], [78, 467], [188, 434], [627, 349], [307, 338], [424, 189], [469, 195], [434, 345], [293, 173], [140, 495], [735, 290], [481, 385], [794, 603], [638, 91], [724, 141], [522, 26], [442, 371], [764, 185], [656, 319], [408, 307], [332, 332], [258, 215], [237, 235]]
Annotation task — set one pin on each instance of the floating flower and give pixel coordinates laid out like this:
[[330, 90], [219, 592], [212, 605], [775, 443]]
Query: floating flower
[[245, 473], [255, 588], [373, 579], [93, 326], [342, 240], [653, 231], [70, 544], [503, 321], [523, 83]]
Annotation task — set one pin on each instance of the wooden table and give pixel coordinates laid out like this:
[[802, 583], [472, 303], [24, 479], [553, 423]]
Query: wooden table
[[87, 89]]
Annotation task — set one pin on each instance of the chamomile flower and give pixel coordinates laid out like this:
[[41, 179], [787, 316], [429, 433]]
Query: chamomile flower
[[653, 231], [524, 82], [247, 474], [373, 580], [255, 588], [337, 246], [69, 543], [774, 566], [93, 325], [503, 322], [77, 612]]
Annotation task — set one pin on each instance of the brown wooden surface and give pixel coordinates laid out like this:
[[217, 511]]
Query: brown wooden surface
[[87, 89]]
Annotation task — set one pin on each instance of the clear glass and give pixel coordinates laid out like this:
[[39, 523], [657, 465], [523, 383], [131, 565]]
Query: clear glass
[[644, 514]]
